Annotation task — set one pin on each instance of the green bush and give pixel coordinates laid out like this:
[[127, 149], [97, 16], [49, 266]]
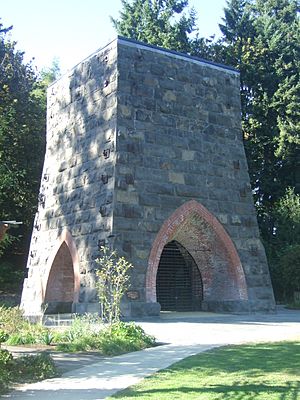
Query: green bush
[[5, 369], [34, 368], [3, 336], [31, 334], [20, 330], [12, 319], [123, 337], [83, 325], [5, 358], [83, 343], [24, 369], [114, 339]]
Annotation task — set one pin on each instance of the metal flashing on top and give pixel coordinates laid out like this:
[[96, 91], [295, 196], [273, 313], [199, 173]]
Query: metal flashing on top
[[197, 60]]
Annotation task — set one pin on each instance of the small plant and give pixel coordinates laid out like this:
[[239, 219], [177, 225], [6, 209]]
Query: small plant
[[46, 337], [82, 326], [3, 336], [113, 281]]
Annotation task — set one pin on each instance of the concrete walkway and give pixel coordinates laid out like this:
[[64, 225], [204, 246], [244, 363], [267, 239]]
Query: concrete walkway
[[184, 334]]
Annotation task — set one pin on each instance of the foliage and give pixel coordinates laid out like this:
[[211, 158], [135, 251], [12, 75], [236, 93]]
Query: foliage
[[11, 319], [5, 357], [5, 369], [22, 140], [22, 134], [3, 336], [10, 278], [35, 368], [20, 330], [113, 339], [283, 245], [113, 281], [161, 23], [24, 369], [290, 264], [123, 337], [262, 371], [82, 325], [261, 39]]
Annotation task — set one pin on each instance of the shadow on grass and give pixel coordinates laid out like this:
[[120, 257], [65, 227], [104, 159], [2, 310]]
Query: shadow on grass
[[283, 357], [290, 391], [264, 371]]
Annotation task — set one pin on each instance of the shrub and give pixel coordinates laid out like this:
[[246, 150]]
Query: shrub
[[24, 369], [5, 358], [3, 336], [11, 319], [124, 337], [5, 369], [83, 325], [31, 334], [34, 368], [115, 339], [113, 281]]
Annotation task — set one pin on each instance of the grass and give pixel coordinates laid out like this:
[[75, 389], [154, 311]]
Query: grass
[[269, 371]]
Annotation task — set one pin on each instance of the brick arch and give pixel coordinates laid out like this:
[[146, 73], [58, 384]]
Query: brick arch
[[224, 244], [64, 243]]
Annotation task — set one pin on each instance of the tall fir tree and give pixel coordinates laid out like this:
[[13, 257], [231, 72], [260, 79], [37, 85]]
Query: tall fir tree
[[261, 39], [158, 22], [22, 139]]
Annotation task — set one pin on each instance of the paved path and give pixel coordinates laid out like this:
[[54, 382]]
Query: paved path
[[183, 335]]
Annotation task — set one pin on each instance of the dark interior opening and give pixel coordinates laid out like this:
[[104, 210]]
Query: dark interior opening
[[178, 282]]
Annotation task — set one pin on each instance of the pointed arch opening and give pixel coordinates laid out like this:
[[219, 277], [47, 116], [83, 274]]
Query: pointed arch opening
[[193, 228], [61, 286]]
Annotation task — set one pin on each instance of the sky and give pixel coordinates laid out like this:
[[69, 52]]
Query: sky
[[71, 30]]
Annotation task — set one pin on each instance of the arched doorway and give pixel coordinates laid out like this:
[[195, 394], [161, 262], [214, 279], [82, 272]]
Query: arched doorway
[[59, 295], [178, 282], [209, 245]]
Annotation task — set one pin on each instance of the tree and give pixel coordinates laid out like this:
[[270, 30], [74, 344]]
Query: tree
[[283, 246], [157, 22], [261, 39], [22, 139]]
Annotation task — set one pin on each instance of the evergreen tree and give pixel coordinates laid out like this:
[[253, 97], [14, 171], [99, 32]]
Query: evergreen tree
[[157, 22], [261, 39], [22, 138]]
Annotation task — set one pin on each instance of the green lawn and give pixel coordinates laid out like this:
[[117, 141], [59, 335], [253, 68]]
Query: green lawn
[[263, 371]]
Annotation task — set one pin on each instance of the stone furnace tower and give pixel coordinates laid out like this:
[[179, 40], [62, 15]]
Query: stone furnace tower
[[145, 154]]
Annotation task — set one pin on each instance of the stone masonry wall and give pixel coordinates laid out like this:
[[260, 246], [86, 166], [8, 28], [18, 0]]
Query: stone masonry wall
[[179, 138], [78, 177]]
